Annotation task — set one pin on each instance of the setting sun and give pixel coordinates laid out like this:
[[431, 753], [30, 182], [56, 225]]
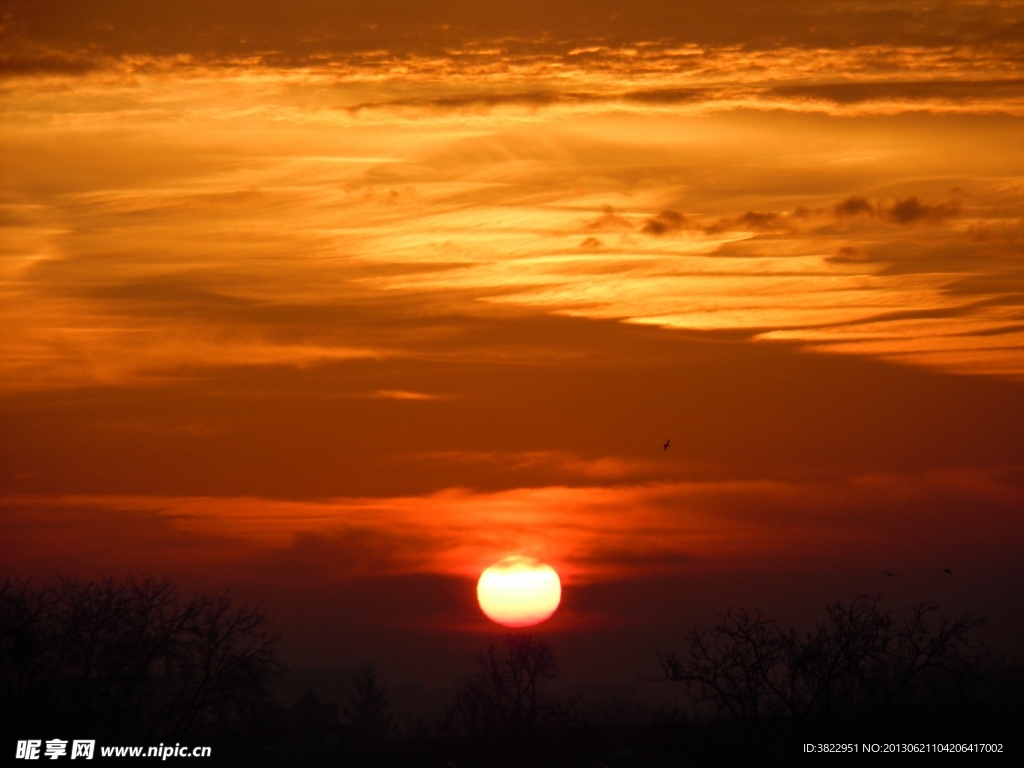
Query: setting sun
[[519, 591]]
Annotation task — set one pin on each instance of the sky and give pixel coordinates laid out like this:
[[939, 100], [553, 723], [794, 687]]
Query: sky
[[336, 304]]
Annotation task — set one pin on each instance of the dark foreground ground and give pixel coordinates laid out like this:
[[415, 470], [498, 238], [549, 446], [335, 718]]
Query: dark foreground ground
[[132, 666], [952, 736]]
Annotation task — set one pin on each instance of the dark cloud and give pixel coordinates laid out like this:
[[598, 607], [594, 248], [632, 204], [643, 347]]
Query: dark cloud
[[610, 221], [670, 95], [310, 432], [483, 99], [905, 210], [909, 210], [304, 29], [751, 221], [847, 254], [853, 206], [47, 63], [760, 221], [1002, 233], [545, 98], [666, 222], [911, 90]]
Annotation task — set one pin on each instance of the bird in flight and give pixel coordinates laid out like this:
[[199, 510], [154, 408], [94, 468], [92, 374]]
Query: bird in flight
[[890, 573], [946, 570], [665, 446]]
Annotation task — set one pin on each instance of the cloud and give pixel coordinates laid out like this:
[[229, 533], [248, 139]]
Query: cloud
[[306, 29], [669, 221], [920, 91], [401, 394], [665, 223], [550, 463], [909, 210], [760, 221], [482, 99], [135, 256], [903, 211], [672, 95], [609, 221], [47, 63], [848, 254], [854, 206], [588, 533]]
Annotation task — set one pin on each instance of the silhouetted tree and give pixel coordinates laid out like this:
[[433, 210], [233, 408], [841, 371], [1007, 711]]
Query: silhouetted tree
[[368, 707], [857, 666], [505, 693], [310, 712], [129, 657]]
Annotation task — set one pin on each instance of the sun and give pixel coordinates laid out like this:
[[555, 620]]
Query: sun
[[519, 591]]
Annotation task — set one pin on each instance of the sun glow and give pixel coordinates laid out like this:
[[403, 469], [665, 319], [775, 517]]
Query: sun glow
[[519, 591]]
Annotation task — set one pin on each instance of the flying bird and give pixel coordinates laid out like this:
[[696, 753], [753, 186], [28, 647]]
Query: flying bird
[[946, 570], [890, 573], [665, 446]]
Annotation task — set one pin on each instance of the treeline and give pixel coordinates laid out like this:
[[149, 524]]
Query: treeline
[[119, 659], [135, 662]]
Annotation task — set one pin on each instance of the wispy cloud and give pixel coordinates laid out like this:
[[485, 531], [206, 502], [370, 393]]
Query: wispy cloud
[[162, 214], [588, 533], [401, 394]]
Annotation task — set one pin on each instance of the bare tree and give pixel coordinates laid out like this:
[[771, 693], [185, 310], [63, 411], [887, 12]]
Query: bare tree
[[130, 656], [858, 664], [506, 693]]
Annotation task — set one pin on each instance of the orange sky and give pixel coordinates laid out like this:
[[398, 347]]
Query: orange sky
[[336, 304]]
